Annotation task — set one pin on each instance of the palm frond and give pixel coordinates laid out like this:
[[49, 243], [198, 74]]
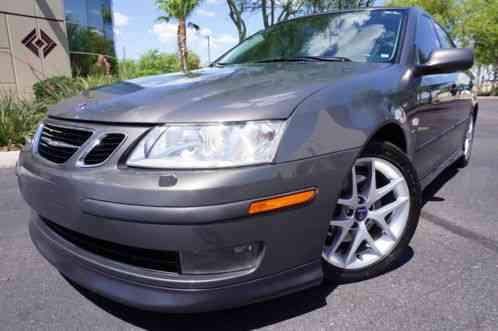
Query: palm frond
[[165, 19]]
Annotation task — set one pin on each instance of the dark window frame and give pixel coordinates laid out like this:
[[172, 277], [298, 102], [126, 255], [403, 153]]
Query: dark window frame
[[417, 31], [446, 34]]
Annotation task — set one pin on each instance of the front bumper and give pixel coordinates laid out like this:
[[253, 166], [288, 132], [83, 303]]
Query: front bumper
[[205, 210], [114, 284]]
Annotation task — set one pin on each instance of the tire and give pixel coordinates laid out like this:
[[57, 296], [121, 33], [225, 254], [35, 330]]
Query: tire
[[406, 195], [468, 138]]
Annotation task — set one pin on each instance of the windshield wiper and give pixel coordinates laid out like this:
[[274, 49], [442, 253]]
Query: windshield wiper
[[217, 64], [306, 58]]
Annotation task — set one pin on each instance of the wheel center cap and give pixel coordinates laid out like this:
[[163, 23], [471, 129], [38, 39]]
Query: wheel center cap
[[361, 213]]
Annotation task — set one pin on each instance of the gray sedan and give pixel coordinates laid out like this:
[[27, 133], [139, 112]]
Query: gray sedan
[[298, 156]]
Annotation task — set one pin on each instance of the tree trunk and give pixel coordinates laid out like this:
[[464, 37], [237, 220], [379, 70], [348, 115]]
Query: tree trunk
[[479, 78], [236, 17], [272, 13], [264, 14], [182, 44]]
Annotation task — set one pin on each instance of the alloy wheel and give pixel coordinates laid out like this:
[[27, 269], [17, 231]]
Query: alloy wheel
[[370, 217]]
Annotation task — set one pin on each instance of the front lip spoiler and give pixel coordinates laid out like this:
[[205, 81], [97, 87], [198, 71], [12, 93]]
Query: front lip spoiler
[[175, 300]]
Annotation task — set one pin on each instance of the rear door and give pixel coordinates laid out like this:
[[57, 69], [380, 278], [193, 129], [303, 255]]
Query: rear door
[[432, 118]]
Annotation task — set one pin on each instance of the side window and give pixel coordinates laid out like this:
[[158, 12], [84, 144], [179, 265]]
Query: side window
[[443, 37], [426, 40]]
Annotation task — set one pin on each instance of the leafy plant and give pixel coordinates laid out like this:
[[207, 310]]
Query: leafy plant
[[90, 82], [56, 88], [443, 11], [154, 62], [477, 27], [493, 92], [18, 120]]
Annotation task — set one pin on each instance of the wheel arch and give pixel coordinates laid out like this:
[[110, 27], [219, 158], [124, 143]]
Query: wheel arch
[[390, 132]]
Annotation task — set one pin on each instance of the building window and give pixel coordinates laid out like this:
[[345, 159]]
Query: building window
[[90, 34], [75, 12]]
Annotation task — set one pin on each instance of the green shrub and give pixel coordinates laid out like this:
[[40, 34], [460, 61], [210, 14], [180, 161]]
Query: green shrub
[[18, 120], [54, 89], [193, 60], [127, 69], [493, 92], [154, 62], [157, 62], [91, 82]]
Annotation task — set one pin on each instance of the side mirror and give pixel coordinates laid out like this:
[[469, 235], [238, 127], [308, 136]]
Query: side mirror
[[445, 61]]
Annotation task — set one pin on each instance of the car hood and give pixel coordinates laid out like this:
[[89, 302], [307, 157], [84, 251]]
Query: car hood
[[230, 93]]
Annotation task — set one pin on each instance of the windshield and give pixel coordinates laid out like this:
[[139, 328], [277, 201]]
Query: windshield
[[360, 36]]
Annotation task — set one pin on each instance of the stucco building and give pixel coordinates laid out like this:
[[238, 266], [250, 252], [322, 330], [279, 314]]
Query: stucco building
[[44, 38]]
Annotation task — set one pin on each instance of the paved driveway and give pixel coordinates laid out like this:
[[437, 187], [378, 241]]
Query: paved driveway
[[448, 279]]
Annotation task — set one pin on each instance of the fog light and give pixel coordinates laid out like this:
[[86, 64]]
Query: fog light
[[230, 259]]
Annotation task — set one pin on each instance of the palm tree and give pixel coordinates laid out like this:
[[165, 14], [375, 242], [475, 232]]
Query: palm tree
[[179, 10]]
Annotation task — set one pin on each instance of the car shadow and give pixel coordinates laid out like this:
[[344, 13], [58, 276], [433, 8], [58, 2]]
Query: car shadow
[[429, 193], [244, 318], [250, 317]]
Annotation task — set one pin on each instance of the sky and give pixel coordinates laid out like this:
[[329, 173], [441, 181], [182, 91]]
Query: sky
[[137, 31]]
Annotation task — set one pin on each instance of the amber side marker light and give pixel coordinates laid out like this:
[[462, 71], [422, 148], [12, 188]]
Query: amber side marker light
[[282, 202]]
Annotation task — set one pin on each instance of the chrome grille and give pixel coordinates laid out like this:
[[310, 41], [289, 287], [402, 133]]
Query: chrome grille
[[103, 150], [57, 143]]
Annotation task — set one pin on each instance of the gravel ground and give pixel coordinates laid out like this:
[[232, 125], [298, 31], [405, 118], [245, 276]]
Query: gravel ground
[[448, 279]]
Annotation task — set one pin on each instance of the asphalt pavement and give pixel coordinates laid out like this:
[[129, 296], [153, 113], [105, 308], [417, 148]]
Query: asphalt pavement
[[448, 279]]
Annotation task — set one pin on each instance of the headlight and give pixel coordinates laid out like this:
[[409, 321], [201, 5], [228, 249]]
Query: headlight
[[208, 145]]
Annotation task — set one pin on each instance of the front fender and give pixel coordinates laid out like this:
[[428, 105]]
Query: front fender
[[344, 117]]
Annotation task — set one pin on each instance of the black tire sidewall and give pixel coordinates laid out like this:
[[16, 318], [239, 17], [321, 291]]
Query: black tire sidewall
[[395, 156]]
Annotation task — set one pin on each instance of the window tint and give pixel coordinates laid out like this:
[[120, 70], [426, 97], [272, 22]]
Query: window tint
[[443, 37], [426, 39]]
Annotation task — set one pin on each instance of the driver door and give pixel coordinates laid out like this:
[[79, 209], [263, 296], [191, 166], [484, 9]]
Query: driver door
[[432, 118]]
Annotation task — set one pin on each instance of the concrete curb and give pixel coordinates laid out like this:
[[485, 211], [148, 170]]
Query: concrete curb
[[8, 159], [487, 98]]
